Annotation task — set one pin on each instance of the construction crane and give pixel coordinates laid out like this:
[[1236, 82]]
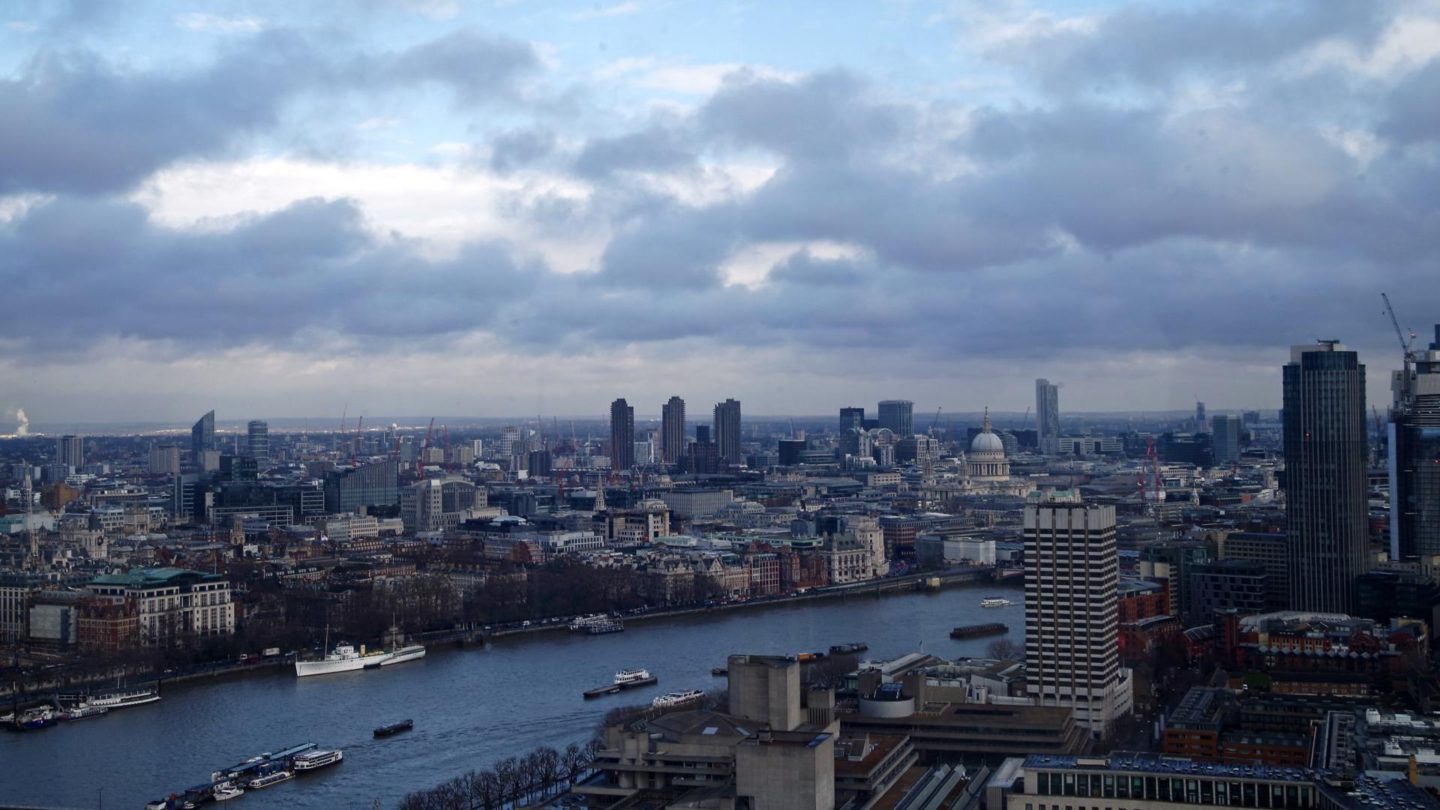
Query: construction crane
[[1408, 356], [1025, 420], [359, 438], [935, 421]]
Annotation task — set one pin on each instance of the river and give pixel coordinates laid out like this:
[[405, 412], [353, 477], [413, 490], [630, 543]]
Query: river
[[471, 707]]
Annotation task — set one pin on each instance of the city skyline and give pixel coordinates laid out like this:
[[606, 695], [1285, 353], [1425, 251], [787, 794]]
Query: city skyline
[[510, 206]]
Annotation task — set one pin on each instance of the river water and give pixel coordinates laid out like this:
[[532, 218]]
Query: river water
[[471, 707]]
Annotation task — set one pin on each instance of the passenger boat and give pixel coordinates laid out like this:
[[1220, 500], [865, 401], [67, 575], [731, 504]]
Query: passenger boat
[[625, 676], [311, 760], [84, 711], [672, 699], [597, 624], [272, 778], [995, 602], [226, 791], [394, 728], [411, 653], [122, 699], [37, 718]]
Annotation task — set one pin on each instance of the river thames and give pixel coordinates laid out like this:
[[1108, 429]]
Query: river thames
[[471, 707]]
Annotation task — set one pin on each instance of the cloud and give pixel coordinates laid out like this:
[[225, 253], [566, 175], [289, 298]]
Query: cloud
[[199, 21], [601, 12]]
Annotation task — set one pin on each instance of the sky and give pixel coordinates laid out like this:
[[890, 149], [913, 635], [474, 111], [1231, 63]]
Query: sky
[[506, 207]]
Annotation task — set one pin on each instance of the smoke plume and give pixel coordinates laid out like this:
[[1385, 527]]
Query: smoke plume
[[22, 423]]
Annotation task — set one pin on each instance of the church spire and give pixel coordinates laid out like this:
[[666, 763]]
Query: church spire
[[985, 428]]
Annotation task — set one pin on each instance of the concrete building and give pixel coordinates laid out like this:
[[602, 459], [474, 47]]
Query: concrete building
[[727, 431], [898, 416], [1414, 442], [70, 452], [174, 604], [672, 431], [622, 435], [437, 504], [1224, 585], [1071, 618], [1325, 467], [697, 503], [1269, 550], [348, 489], [164, 461], [1047, 414]]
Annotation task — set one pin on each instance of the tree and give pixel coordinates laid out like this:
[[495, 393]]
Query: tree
[[1005, 650]]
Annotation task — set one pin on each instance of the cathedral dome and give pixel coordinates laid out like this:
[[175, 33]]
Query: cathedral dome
[[987, 442]]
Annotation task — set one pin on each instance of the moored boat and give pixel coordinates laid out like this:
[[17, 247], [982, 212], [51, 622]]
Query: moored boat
[[683, 697], [849, 649], [995, 602], [122, 699], [272, 778], [84, 711], [625, 676], [414, 652], [719, 672], [311, 760], [394, 728], [226, 791], [974, 630]]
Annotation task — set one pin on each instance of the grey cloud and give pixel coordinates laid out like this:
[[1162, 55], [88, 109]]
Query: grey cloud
[[1413, 107], [805, 269], [519, 148], [824, 116], [657, 148], [477, 66]]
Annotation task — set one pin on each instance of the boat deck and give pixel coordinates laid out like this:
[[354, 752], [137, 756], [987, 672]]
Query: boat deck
[[616, 688]]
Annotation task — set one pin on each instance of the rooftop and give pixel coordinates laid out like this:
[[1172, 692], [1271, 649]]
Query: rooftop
[[1158, 764]]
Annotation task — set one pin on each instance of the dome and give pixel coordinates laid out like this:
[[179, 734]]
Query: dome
[[987, 442]]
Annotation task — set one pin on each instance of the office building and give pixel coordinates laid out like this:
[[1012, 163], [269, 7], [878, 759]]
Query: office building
[[898, 416], [1200, 422], [1047, 414], [258, 433], [349, 488], [672, 431], [727, 431], [202, 438], [1072, 575], [70, 451], [164, 461], [1414, 438], [1225, 440], [1271, 551], [176, 606], [622, 435], [1325, 468], [851, 419]]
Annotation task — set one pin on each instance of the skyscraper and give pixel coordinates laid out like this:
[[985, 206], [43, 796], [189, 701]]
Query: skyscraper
[[259, 444], [1047, 415], [727, 431], [202, 438], [1325, 466], [622, 435], [1200, 423], [1225, 439], [899, 416], [851, 418], [1414, 461], [672, 431], [70, 451], [1072, 574]]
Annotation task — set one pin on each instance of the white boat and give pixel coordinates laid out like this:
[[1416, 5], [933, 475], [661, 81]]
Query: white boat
[[411, 653], [273, 778], [670, 700], [995, 602], [227, 791], [122, 699], [85, 710], [632, 675], [310, 760]]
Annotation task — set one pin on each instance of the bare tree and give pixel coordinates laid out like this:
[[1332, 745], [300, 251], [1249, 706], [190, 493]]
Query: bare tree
[[1005, 650]]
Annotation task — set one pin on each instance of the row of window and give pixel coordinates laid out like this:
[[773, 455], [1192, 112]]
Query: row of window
[[1175, 789]]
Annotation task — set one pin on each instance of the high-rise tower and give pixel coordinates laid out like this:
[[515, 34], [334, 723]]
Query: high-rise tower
[[1047, 415], [851, 418], [258, 432], [672, 431], [1325, 467], [202, 437], [1072, 575], [1414, 459], [727, 431], [70, 451], [1225, 439], [899, 416], [622, 436]]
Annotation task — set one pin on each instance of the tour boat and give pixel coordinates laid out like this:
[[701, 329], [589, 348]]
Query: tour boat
[[631, 676], [672, 699], [312, 760], [85, 710], [122, 699], [272, 778], [226, 791], [995, 602], [400, 656]]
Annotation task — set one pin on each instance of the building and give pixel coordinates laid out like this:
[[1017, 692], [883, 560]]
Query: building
[[174, 604], [1224, 585], [202, 439], [1071, 620], [436, 504], [1325, 467], [1225, 440], [347, 489], [164, 461], [70, 452], [1269, 550], [727, 431], [898, 416], [622, 435], [672, 431], [258, 434], [1047, 414], [851, 419], [1414, 439]]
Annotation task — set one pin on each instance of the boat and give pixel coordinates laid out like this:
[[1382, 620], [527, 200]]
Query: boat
[[259, 765], [272, 778], [597, 624], [806, 657], [394, 728], [42, 717], [226, 791], [995, 602], [671, 700], [344, 658], [312, 760], [625, 676], [719, 672], [849, 649], [122, 699], [973, 630], [413, 652], [84, 711]]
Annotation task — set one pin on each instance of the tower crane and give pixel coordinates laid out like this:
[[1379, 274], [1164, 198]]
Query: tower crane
[[1408, 356]]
